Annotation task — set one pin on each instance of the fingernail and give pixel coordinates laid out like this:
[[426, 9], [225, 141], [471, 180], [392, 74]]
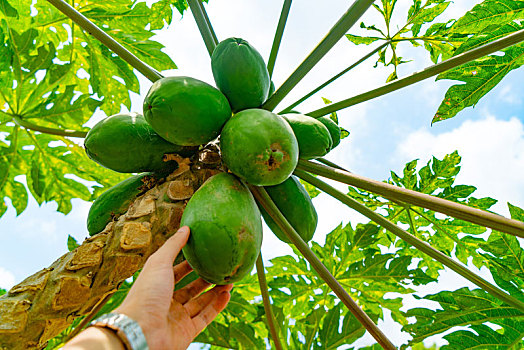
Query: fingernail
[[183, 229]]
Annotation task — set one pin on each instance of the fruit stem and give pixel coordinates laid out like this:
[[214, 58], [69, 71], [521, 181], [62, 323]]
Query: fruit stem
[[267, 303], [105, 39], [320, 87], [409, 238], [266, 202], [457, 210], [204, 26], [278, 37], [438, 68], [347, 20], [52, 131]]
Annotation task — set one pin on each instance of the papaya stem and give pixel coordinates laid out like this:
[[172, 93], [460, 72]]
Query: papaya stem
[[320, 87], [409, 238], [206, 17], [52, 131], [278, 37], [204, 26], [267, 303], [347, 20], [329, 163], [438, 68], [88, 317], [105, 39], [457, 210], [266, 202]]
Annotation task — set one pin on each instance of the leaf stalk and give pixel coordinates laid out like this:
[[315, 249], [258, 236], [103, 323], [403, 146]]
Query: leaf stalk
[[438, 68], [267, 303], [457, 210], [52, 131], [347, 20], [414, 241], [263, 198], [204, 26], [105, 39], [278, 36]]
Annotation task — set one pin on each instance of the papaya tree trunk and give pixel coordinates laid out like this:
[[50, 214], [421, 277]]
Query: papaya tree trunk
[[44, 304]]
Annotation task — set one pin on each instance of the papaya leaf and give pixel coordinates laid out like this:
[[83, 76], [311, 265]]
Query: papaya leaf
[[2, 291], [489, 13], [480, 76], [483, 336], [366, 40], [476, 308]]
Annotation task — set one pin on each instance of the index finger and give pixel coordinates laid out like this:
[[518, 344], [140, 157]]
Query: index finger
[[170, 249]]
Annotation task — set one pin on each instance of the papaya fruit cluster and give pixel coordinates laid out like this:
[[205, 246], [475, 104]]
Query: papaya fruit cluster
[[257, 147]]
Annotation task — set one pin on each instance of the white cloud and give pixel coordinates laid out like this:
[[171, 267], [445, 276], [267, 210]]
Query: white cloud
[[492, 153], [7, 279]]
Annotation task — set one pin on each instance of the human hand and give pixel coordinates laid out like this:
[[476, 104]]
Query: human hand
[[171, 320]]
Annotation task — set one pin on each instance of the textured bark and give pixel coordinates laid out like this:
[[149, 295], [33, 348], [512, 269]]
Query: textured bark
[[44, 304]]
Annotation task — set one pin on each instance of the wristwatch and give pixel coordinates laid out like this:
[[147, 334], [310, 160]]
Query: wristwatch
[[126, 329]]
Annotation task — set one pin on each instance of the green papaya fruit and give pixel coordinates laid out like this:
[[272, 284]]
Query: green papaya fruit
[[226, 230], [333, 128], [313, 137], [259, 147], [240, 73], [116, 200], [186, 111], [126, 143], [292, 199]]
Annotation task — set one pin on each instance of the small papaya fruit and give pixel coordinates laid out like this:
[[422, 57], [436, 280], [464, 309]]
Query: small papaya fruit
[[116, 200], [333, 128], [226, 230], [126, 143], [313, 137], [292, 199], [259, 147], [186, 111], [240, 73]]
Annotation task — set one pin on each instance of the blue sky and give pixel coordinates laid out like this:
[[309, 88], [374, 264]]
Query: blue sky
[[385, 133]]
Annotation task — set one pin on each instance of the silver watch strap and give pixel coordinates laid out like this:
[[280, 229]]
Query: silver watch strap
[[127, 329]]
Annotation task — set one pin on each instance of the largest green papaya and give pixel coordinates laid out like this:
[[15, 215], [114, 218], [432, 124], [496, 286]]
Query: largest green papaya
[[116, 200], [126, 143], [226, 230], [259, 147], [240, 73], [186, 111]]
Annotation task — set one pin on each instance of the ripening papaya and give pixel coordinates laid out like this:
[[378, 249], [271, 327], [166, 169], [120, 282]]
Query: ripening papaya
[[126, 143], [116, 200], [240, 73], [259, 147], [313, 137], [226, 230], [293, 201], [186, 111], [333, 128]]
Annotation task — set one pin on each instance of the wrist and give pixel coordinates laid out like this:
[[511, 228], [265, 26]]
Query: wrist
[[125, 328], [95, 338]]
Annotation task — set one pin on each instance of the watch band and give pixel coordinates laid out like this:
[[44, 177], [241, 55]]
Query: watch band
[[127, 330]]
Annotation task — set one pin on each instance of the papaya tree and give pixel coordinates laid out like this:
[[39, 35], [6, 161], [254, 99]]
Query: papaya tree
[[60, 63]]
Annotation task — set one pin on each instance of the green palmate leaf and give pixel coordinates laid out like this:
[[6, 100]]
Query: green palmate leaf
[[366, 40], [476, 308], [489, 13], [479, 76], [2, 291]]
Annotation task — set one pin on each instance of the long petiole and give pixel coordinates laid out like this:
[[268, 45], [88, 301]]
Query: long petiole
[[263, 199], [206, 18], [320, 87], [105, 39], [438, 68], [278, 37], [349, 18], [414, 241], [203, 26], [51, 131], [267, 303], [457, 210]]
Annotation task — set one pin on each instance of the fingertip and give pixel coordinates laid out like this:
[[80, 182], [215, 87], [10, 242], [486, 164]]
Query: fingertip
[[222, 300]]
